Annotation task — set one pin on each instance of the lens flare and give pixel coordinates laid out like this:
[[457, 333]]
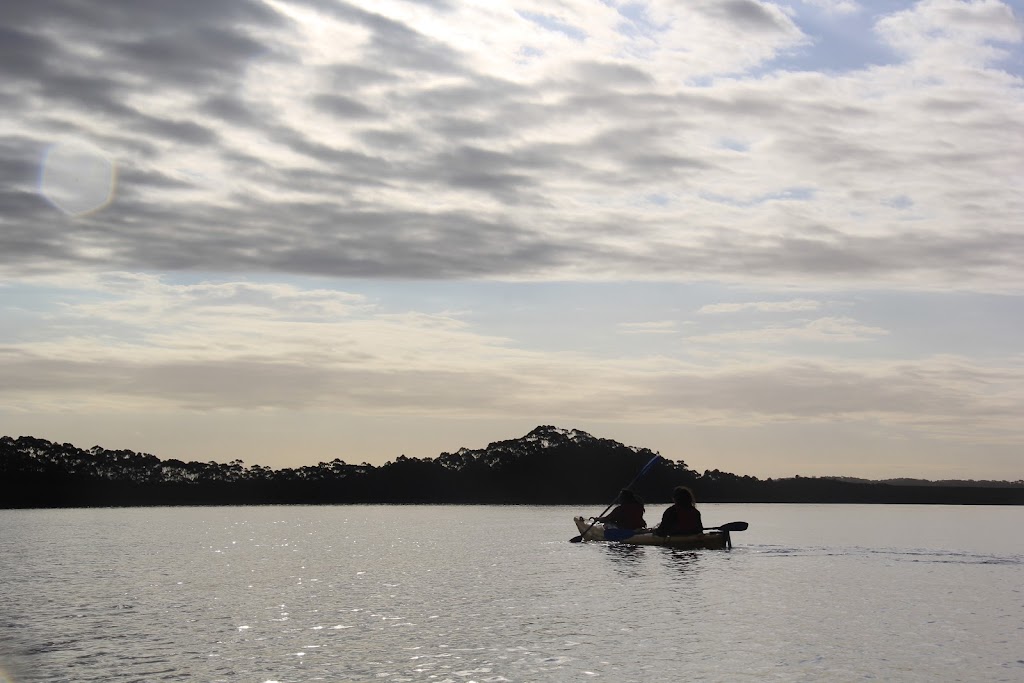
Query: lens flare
[[77, 178]]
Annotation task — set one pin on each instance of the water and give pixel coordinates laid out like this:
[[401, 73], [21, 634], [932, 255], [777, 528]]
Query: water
[[487, 594]]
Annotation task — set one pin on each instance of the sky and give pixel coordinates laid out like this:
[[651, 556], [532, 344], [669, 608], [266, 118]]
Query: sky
[[770, 238]]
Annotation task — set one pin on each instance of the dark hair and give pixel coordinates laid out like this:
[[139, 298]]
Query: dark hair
[[627, 496], [683, 495]]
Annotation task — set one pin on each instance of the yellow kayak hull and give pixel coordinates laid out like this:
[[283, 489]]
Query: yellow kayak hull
[[598, 532]]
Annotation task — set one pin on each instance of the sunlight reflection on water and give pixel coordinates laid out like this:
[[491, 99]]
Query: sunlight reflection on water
[[459, 594]]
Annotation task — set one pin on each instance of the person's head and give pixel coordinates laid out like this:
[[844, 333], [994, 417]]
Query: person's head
[[683, 496], [627, 496]]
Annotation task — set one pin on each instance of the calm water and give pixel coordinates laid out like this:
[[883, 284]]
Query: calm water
[[475, 594]]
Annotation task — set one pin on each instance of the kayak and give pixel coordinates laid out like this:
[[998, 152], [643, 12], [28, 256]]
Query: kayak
[[600, 532]]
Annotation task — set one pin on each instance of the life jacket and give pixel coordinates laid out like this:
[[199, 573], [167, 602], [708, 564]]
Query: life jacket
[[687, 520], [628, 516]]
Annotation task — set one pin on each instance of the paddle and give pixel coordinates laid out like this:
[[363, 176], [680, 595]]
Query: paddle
[[649, 465], [731, 526]]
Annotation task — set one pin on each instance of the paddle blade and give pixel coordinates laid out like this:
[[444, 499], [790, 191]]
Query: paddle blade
[[734, 526], [575, 539]]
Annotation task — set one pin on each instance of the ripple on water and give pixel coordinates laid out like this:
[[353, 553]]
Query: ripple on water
[[459, 594]]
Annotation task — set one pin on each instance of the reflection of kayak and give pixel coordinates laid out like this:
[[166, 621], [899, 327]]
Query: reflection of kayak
[[600, 532]]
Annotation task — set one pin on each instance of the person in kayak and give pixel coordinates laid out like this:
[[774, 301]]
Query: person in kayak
[[682, 518], [629, 514]]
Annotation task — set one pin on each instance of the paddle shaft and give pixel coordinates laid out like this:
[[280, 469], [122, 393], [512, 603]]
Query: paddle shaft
[[731, 526], [642, 472]]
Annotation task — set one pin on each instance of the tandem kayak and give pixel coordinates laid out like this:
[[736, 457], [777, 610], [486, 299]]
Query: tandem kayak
[[711, 539]]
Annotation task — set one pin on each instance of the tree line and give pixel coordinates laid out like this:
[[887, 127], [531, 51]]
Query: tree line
[[547, 466]]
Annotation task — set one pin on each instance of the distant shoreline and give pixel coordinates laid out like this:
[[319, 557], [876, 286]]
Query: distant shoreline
[[548, 466]]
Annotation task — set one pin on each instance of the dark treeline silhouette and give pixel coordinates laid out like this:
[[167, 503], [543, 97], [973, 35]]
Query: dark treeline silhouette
[[547, 466], [906, 481]]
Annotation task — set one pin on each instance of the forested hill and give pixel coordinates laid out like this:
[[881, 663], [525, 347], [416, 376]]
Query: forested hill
[[906, 481], [547, 466]]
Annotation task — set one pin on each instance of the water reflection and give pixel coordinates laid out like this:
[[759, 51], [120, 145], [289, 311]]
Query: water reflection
[[684, 558], [689, 562], [627, 558], [636, 560]]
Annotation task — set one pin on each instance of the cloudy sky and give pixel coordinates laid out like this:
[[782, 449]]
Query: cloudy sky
[[772, 238]]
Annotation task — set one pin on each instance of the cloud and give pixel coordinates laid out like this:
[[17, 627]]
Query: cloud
[[839, 7], [940, 395], [827, 330], [651, 327], [751, 15], [552, 23], [942, 30], [790, 306], [453, 140], [122, 342]]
